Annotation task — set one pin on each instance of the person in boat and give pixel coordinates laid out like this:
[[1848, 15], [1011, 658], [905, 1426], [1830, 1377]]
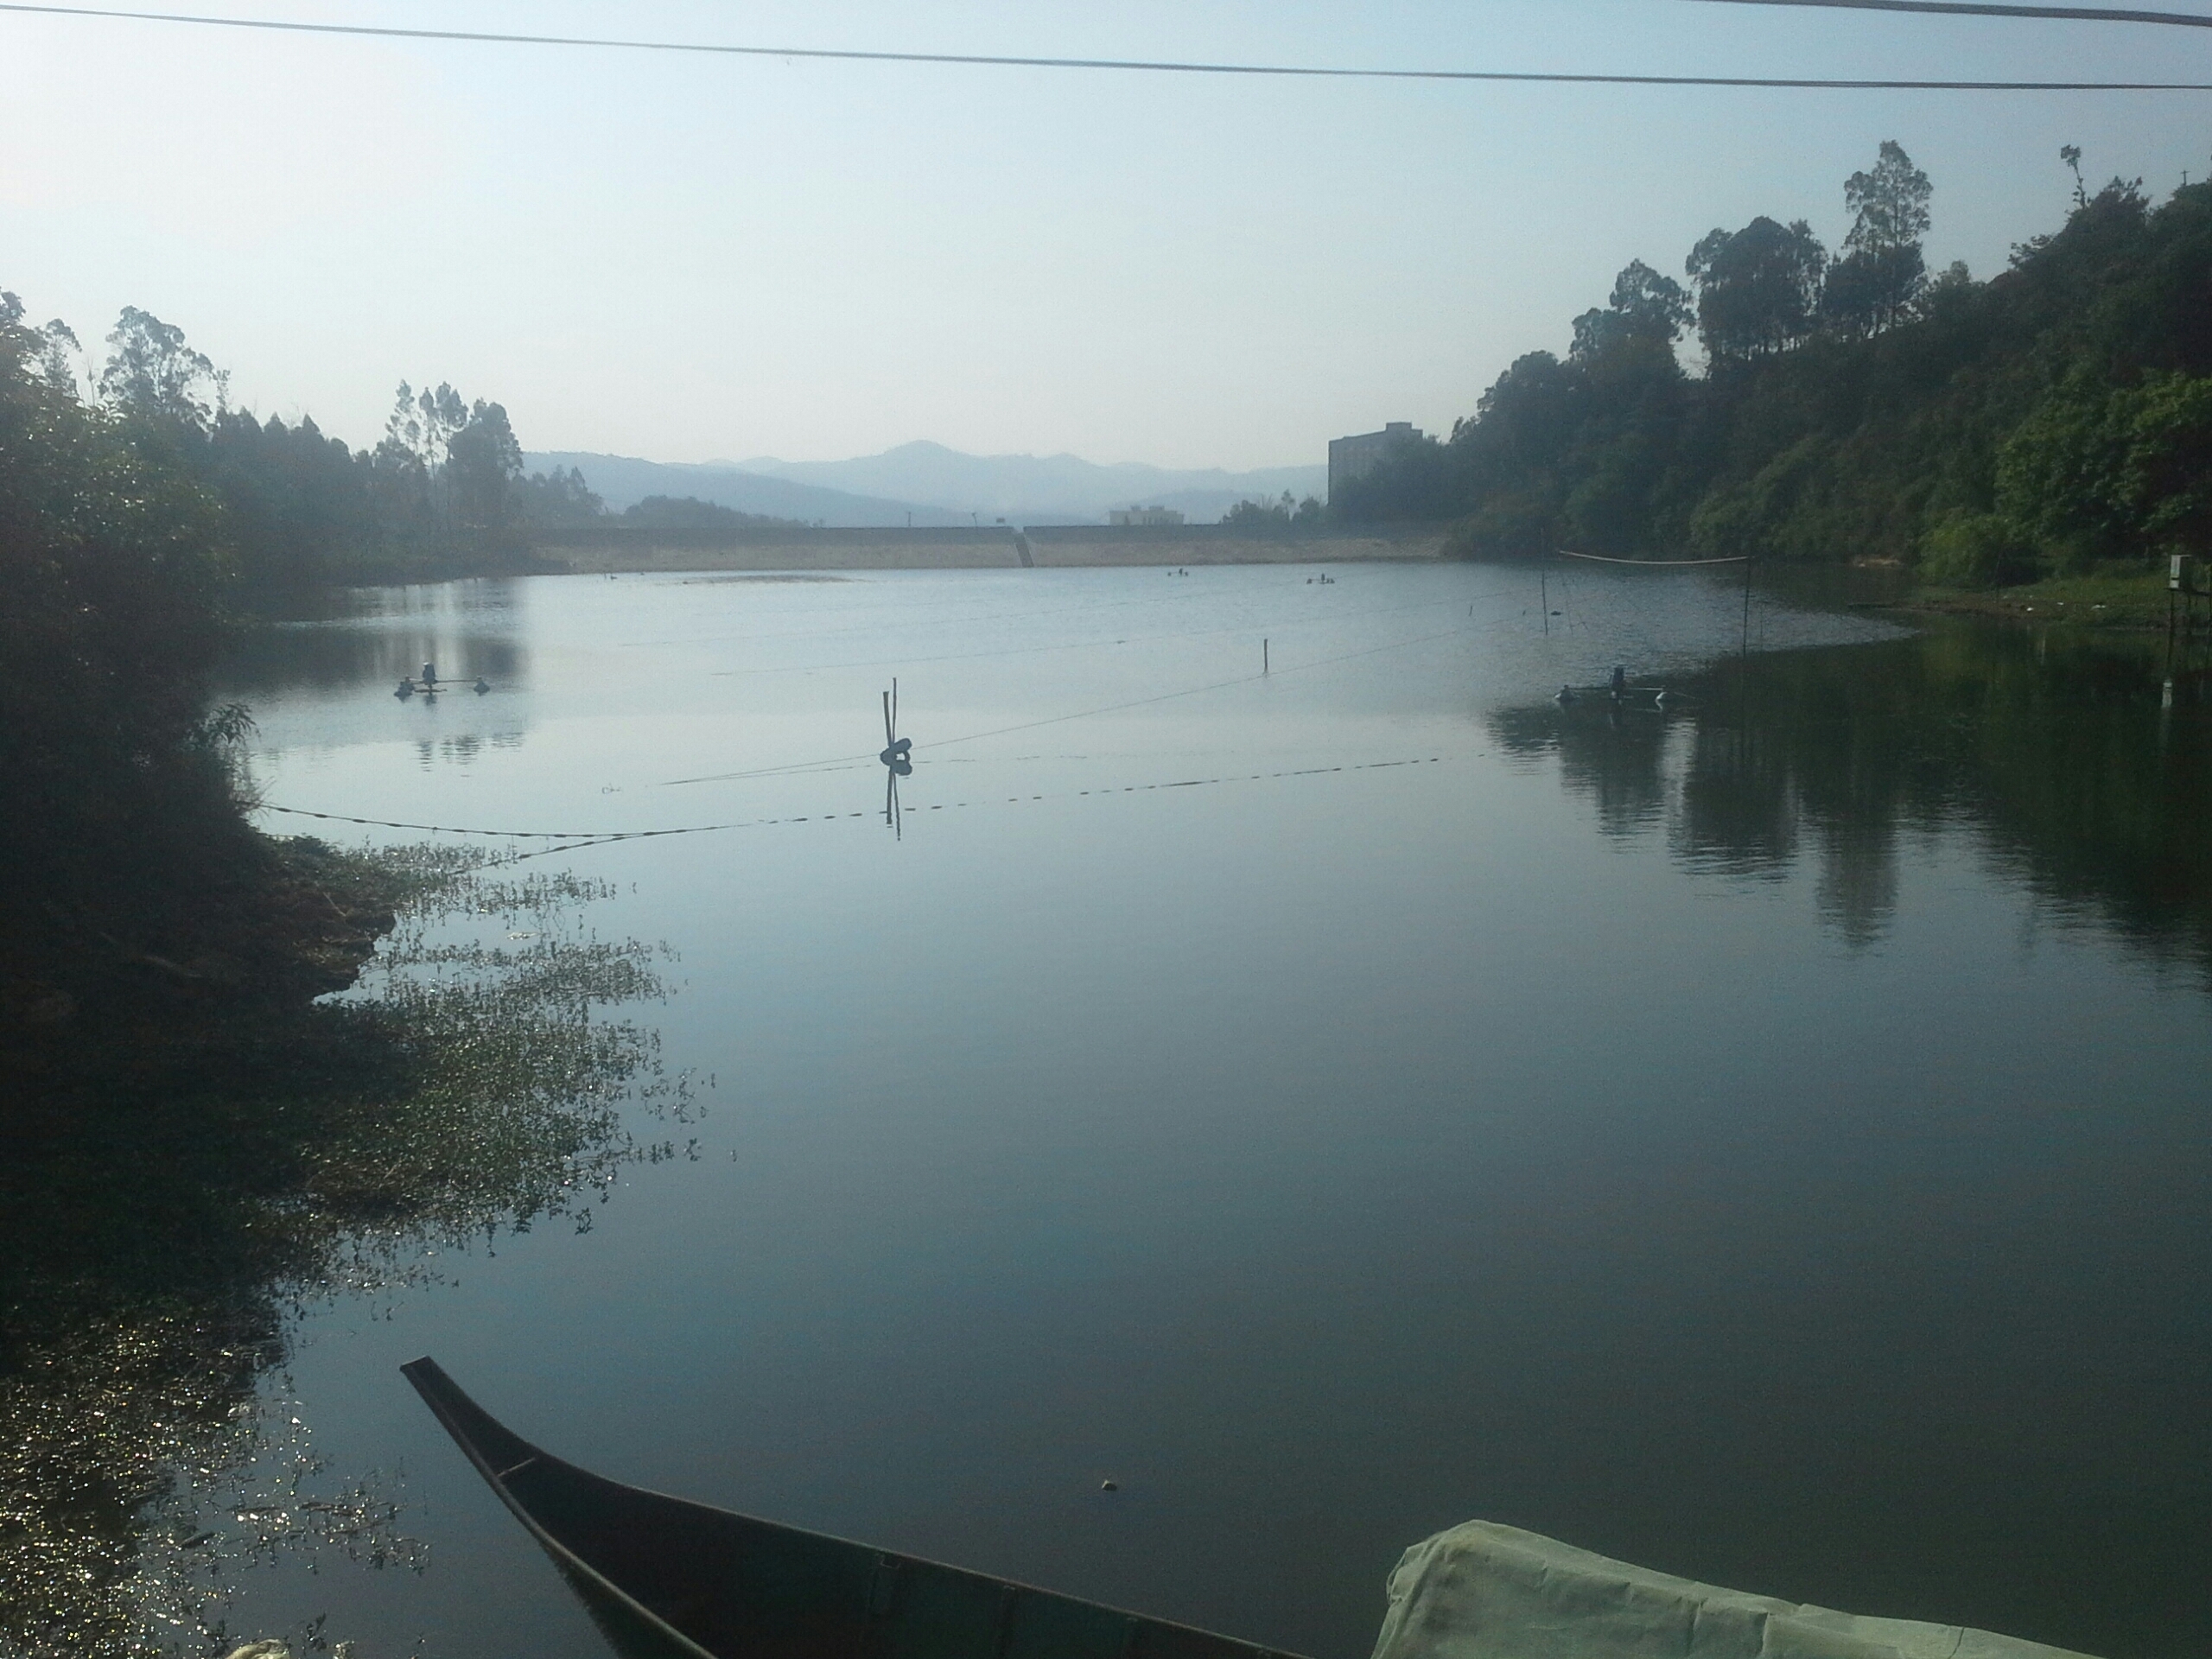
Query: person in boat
[[429, 675], [1566, 695], [1620, 681]]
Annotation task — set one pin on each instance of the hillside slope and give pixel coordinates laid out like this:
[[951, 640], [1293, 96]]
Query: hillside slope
[[2053, 418]]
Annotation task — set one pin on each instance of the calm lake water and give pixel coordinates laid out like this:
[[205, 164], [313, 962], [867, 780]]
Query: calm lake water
[[1766, 1138]]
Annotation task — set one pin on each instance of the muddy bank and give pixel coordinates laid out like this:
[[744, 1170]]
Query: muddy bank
[[98, 985]]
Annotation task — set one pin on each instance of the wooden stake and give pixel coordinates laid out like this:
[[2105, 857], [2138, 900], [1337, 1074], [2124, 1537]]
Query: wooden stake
[[1263, 655], [1747, 605]]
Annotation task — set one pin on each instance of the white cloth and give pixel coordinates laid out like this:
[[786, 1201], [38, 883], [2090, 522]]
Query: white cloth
[[1484, 1590]]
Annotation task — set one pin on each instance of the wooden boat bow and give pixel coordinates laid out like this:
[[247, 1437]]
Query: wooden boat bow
[[665, 1576]]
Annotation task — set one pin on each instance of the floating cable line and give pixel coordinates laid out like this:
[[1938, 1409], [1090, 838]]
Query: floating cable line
[[1978, 9], [1129, 65]]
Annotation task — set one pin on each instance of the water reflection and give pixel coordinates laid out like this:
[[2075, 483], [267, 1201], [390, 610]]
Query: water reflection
[[325, 682], [2083, 762], [167, 1218], [344, 657], [377, 636]]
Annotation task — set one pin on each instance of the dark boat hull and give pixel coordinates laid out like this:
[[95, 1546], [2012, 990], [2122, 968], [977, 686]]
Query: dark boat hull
[[666, 1576]]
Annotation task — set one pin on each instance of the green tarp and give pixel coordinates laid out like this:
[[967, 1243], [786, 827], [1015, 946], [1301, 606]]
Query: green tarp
[[1484, 1590]]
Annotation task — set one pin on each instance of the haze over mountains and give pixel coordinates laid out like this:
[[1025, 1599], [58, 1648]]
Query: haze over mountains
[[935, 485]]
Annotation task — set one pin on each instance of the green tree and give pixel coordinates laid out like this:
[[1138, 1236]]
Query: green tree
[[57, 342], [1263, 515], [112, 564], [445, 413], [1875, 283], [1757, 288], [483, 465], [1645, 306], [559, 497], [153, 374], [1888, 205], [2166, 479], [2099, 472], [298, 503], [2071, 155]]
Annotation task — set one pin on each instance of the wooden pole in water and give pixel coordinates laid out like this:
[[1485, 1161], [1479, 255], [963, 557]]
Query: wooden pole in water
[[1747, 605], [1544, 579], [1263, 655]]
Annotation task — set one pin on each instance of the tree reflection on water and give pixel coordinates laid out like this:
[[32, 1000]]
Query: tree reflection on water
[[2082, 761], [163, 1221]]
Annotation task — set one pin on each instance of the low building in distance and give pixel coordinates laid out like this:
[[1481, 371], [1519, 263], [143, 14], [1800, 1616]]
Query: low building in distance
[[1359, 454], [1143, 516]]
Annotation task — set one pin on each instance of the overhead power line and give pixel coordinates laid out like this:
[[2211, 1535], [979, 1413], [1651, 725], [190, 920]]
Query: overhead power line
[[1135, 65], [1976, 9]]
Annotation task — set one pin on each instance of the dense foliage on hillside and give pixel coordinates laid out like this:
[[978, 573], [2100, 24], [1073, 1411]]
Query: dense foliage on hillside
[[442, 492], [111, 566], [2054, 417]]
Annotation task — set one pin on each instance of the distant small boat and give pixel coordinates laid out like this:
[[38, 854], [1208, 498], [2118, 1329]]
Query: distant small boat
[[667, 1577], [1658, 694], [409, 687]]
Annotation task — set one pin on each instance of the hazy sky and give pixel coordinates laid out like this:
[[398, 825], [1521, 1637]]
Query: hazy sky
[[687, 258]]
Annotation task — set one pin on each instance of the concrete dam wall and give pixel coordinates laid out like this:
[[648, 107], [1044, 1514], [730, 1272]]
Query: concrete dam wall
[[593, 549]]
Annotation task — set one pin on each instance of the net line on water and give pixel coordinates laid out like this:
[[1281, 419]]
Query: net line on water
[[1120, 65], [596, 836], [573, 838], [578, 840], [1015, 800]]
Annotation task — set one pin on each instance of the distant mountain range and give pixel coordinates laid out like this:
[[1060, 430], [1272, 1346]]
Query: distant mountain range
[[935, 485]]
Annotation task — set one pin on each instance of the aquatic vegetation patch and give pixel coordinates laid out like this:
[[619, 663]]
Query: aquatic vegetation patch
[[171, 1213]]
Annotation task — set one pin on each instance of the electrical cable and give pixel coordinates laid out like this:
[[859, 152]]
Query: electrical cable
[[1136, 66], [1977, 9]]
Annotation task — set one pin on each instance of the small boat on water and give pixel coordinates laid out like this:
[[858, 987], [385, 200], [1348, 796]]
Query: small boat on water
[[676, 1579]]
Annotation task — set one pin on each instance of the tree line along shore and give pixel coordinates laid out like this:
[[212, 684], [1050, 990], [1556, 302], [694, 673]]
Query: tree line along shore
[[2052, 425], [2053, 422]]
